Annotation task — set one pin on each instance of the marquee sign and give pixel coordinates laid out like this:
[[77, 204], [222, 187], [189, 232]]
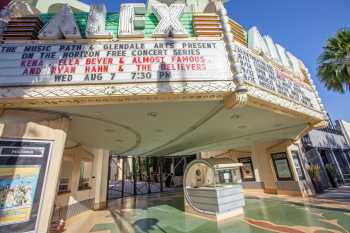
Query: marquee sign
[[113, 62], [261, 73]]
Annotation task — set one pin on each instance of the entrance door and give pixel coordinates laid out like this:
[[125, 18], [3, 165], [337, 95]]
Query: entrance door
[[130, 176]]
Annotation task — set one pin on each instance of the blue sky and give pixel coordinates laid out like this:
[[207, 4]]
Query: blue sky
[[301, 26]]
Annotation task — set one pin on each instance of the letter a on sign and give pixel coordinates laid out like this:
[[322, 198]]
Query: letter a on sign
[[169, 20], [61, 26]]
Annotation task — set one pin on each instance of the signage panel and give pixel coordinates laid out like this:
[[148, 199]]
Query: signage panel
[[22, 173], [114, 62], [259, 72]]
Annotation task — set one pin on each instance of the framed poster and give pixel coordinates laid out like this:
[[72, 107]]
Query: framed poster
[[247, 170], [22, 173], [282, 167]]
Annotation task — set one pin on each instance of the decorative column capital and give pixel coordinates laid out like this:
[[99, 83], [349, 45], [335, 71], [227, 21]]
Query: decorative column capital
[[236, 99]]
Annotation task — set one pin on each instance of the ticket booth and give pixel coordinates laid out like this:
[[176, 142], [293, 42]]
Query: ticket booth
[[213, 188]]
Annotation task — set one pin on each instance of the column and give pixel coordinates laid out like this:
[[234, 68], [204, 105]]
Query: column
[[123, 175], [323, 169], [346, 160], [291, 163], [255, 162], [262, 165], [337, 164], [101, 159], [134, 177]]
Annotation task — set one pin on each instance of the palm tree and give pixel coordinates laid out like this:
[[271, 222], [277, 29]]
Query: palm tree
[[334, 62]]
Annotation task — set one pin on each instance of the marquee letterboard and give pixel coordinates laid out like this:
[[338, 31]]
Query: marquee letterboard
[[259, 72], [114, 62]]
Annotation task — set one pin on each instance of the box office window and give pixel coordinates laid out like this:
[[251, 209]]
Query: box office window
[[298, 166], [247, 170], [282, 167]]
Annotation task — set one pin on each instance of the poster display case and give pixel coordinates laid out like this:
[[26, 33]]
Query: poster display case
[[247, 169], [22, 176], [282, 166]]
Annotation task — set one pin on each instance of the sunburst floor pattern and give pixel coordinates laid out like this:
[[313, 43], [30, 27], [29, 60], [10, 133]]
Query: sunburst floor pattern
[[164, 214]]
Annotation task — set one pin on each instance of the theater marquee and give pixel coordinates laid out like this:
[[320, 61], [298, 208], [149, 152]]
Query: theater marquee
[[259, 72], [114, 62]]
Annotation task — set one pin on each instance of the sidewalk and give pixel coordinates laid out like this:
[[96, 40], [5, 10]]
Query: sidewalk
[[336, 199], [341, 194]]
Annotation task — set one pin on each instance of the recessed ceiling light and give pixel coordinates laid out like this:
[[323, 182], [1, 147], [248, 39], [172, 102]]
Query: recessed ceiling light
[[152, 114]]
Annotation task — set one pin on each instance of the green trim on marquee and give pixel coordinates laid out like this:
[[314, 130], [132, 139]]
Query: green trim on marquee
[[112, 22]]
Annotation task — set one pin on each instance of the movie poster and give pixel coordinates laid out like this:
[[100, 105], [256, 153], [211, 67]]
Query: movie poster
[[17, 190], [247, 170]]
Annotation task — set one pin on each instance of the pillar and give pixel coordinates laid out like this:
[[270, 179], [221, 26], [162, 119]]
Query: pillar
[[347, 161], [334, 158], [255, 162], [23, 124], [101, 160], [263, 168]]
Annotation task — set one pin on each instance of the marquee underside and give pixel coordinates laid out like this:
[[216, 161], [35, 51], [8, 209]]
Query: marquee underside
[[174, 128]]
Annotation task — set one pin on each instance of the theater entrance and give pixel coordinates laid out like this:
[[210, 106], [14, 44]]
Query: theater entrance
[[137, 175]]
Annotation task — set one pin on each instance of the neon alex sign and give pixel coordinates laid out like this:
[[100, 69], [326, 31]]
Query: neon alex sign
[[63, 24]]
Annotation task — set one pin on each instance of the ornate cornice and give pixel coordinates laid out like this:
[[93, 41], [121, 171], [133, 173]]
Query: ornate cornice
[[12, 97], [236, 99], [51, 96]]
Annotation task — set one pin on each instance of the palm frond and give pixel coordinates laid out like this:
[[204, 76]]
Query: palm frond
[[334, 62]]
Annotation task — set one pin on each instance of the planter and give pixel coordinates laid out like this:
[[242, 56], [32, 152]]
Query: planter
[[317, 185]]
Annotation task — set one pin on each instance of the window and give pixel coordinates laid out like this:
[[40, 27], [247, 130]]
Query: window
[[297, 164], [225, 176], [66, 173], [281, 165], [63, 186], [247, 170], [85, 175]]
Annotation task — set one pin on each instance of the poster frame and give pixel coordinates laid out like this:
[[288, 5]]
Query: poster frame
[[30, 226], [244, 160], [276, 157]]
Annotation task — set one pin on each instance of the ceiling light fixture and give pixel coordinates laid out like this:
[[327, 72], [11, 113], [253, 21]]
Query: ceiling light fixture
[[152, 114]]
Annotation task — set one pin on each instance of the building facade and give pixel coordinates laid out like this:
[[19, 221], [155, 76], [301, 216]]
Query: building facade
[[328, 147], [153, 80]]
